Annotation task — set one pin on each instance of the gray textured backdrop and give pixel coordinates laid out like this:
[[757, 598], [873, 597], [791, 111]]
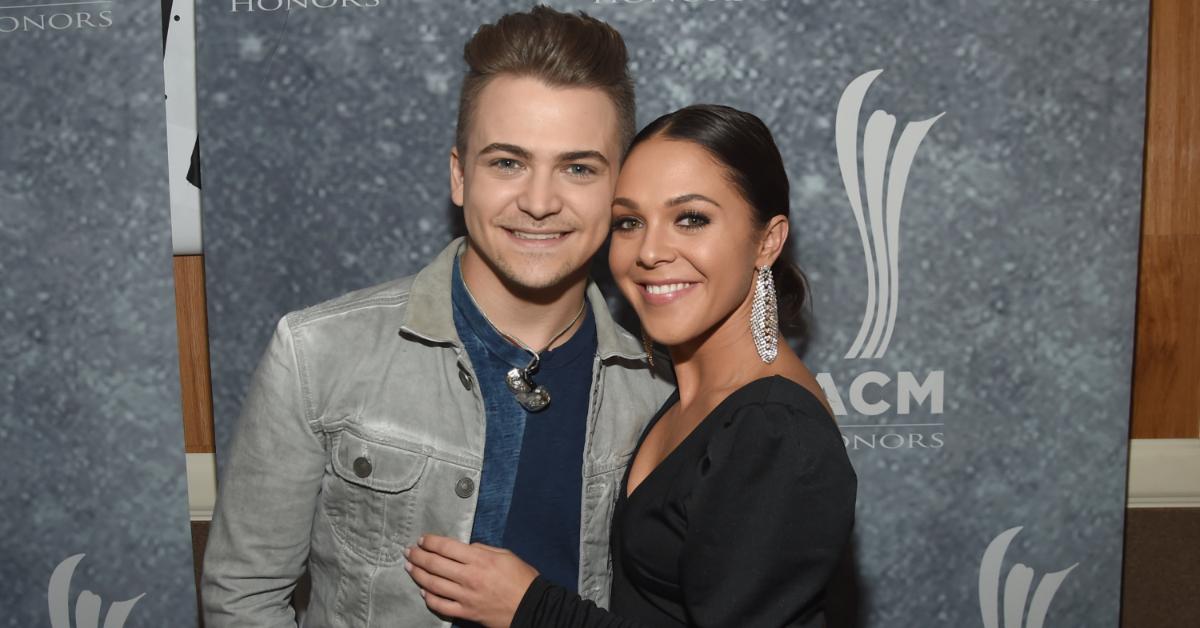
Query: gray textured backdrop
[[325, 135], [91, 444]]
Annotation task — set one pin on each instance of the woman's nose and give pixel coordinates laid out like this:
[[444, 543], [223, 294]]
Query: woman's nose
[[655, 248]]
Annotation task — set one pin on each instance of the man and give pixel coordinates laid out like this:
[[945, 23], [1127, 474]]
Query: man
[[490, 398]]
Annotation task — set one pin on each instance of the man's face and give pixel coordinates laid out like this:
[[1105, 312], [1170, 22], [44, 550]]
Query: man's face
[[536, 180]]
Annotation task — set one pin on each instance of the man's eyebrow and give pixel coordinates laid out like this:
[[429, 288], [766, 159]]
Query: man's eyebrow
[[579, 155], [500, 147], [687, 198], [626, 203]]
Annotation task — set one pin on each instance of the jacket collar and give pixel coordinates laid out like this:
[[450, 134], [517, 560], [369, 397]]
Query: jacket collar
[[430, 311]]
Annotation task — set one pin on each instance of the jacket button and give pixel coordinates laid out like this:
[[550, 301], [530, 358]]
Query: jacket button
[[362, 467], [466, 379], [465, 487]]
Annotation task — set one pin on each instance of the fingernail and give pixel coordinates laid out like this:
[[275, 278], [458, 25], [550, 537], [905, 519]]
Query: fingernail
[[422, 592], [421, 541], [407, 551], [408, 567]]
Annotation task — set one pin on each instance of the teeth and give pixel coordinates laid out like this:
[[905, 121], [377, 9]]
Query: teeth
[[524, 235], [667, 289]]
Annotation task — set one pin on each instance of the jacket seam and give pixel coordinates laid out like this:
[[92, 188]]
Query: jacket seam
[[320, 313], [346, 425], [301, 378], [586, 576]]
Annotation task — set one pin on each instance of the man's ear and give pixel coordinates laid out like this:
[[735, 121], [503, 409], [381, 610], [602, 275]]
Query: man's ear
[[456, 178], [774, 236]]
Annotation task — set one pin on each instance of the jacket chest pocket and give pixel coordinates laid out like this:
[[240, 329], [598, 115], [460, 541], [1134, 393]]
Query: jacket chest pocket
[[370, 498]]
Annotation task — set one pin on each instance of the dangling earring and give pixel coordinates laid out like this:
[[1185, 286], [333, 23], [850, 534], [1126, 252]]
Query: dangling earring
[[648, 345], [764, 316]]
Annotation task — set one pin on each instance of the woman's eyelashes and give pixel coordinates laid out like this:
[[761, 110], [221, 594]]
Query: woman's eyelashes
[[625, 223], [692, 219], [688, 220]]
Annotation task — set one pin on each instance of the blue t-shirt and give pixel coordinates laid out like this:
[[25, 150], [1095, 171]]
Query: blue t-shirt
[[532, 478]]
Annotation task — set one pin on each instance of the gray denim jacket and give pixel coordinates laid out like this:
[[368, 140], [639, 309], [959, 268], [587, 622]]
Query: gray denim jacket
[[363, 428]]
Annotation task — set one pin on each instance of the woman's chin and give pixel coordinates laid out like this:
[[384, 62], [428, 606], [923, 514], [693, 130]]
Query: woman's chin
[[668, 335]]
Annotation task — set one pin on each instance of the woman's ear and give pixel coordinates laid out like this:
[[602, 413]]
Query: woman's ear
[[773, 239]]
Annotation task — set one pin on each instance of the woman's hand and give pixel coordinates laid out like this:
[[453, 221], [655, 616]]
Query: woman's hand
[[474, 582]]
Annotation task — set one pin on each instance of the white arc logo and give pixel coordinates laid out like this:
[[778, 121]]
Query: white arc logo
[[879, 228], [87, 607], [1016, 588]]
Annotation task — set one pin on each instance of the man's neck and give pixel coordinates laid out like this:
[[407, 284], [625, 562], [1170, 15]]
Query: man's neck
[[534, 317]]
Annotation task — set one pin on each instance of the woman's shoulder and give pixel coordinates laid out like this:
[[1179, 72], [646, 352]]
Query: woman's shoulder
[[777, 412], [779, 399]]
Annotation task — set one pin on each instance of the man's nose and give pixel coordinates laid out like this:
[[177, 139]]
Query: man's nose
[[540, 198]]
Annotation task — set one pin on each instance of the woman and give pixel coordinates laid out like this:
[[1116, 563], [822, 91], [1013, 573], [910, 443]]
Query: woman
[[739, 500]]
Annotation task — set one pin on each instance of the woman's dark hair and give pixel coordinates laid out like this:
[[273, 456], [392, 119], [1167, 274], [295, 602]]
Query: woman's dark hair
[[742, 143]]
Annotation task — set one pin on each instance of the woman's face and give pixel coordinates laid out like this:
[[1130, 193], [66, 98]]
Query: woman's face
[[685, 243]]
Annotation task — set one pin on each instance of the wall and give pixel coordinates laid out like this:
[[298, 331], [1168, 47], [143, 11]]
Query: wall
[[1166, 399]]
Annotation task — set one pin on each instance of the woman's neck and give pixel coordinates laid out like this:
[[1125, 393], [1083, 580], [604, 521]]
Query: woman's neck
[[720, 360]]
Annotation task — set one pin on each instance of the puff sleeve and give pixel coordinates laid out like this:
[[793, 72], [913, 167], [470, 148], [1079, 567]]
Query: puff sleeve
[[768, 521]]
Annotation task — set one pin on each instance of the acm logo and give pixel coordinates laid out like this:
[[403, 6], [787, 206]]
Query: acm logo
[[883, 177], [879, 225], [87, 606], [1016, 588]]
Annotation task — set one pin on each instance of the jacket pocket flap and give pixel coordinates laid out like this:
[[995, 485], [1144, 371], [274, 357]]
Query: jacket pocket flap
[[375, 466]]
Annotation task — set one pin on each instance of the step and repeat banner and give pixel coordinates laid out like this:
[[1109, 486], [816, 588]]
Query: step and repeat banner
[[94, 528], [966, 191]]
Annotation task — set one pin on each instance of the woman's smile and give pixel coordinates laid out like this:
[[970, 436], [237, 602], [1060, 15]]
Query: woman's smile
[[664, 292]]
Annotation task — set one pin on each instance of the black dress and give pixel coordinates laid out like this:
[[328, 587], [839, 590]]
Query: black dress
[[741, 525]]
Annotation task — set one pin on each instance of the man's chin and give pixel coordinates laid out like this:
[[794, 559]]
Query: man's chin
[[537, 276], [528, 283]]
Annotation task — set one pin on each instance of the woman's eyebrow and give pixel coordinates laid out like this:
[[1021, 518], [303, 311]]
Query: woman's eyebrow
[[687, 198], [626, 203]]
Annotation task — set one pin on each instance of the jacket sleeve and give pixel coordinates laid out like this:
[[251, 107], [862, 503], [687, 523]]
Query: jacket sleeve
[[768, 521], [259, 539], [548, 605]]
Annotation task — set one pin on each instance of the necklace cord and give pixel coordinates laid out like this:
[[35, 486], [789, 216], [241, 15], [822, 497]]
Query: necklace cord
[[536, 360]]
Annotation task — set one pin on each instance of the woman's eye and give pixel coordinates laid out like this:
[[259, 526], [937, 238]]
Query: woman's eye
[[692, 220], [625, 223]]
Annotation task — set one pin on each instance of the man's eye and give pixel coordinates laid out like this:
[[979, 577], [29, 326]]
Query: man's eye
[[625, 223], [506, 164], [580, 170]]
